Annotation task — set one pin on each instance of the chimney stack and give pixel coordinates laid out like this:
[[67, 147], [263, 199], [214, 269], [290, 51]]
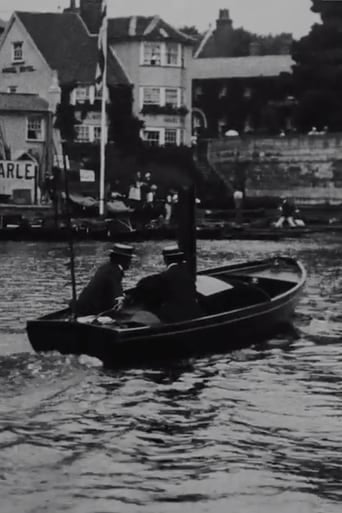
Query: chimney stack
[[90, 11], [72, 7], [223, 34], [223, 19]]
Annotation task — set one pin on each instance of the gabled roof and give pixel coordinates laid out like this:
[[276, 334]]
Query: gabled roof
[[22, 102], [68, 48], [148, 28], [241, 67]]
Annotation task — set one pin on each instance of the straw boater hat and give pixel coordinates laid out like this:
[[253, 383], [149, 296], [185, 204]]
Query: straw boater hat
[[172, 252], [123, 250]]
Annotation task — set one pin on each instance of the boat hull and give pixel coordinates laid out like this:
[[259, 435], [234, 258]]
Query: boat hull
[[222, 332]]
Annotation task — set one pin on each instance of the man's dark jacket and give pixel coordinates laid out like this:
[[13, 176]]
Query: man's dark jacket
[[100, 293], [179, 294]]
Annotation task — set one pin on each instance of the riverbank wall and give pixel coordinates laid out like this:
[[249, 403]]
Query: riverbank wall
[[306, 168]]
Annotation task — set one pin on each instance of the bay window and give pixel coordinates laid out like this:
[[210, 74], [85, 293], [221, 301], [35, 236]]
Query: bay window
[[172, 96], [151, 96], [170, 136], [161, 96], [152, 137], [163, 136], [82, 133]]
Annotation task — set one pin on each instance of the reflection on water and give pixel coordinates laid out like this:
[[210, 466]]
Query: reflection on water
[[257, 430]]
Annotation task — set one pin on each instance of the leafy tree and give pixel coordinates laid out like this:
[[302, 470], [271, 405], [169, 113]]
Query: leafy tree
[[318, 71], [191, 30], [124, 128], [329, 10], [65, 115]]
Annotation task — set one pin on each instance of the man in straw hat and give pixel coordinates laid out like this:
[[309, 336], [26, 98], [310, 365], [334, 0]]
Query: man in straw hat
[[171, 294], [104, 291]]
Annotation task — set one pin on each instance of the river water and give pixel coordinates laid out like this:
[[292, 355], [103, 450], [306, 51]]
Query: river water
[[255, 431]]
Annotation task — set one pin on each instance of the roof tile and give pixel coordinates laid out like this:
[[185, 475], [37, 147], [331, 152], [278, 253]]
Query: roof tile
[[241, 67], [67, 46], [119, 29], [22, 102]]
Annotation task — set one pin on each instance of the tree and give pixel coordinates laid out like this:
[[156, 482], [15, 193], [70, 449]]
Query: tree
[[329, 10], [318, 71], [191, 30], [65, 115], [124, 127]]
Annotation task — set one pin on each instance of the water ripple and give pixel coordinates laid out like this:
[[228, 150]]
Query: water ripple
[[257, 430]]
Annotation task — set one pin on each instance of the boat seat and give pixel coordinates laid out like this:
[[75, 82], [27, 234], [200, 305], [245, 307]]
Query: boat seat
[[230, 296]]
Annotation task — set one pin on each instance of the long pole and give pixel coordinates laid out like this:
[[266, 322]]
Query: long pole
[[70, 237], [103, 140], [186, 230]]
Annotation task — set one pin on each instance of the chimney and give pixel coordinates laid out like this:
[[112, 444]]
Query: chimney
[[90, 11], [223, 19], [223, 34], [72, 7], [254, 48]]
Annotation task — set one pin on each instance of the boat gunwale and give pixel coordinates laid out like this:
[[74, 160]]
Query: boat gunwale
[[129, 334]]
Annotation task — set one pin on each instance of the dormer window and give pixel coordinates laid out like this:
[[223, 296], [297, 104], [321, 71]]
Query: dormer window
[[17, 52]]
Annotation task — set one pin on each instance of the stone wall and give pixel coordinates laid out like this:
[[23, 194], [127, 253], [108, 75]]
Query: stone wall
[[307, 168]]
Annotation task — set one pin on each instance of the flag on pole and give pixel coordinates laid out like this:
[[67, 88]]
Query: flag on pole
[[102, 48]]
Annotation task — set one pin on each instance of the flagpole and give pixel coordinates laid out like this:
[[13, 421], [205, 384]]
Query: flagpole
[[103, 140]]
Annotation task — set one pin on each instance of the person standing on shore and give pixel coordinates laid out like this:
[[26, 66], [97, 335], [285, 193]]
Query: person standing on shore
[[238, 200]]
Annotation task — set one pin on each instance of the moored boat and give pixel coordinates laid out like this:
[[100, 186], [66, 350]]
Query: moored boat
[[242, 304]]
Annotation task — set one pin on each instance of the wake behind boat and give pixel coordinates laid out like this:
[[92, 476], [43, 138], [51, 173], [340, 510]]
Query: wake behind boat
[[242, 304]]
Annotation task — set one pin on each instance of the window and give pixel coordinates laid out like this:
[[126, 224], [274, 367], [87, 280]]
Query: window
[[12, 89], [151, 96], [161, 54], [17, 51], [152, 54], [97, 133], [82, 94], [35, 128], [171, 54], [152, 137], [170, 136], [171, 97], [82, 133]]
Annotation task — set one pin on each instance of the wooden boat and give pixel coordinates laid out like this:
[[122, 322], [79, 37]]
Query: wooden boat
[[266, 233], [242, 304]]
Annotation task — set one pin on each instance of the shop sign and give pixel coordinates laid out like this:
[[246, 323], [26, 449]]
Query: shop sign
[[17, 175]]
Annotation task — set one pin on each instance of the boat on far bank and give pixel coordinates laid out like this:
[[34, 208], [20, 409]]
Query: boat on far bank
[[249, 232]]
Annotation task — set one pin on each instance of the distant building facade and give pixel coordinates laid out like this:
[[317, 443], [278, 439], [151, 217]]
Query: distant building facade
[[238, 85], [50, 59], [157, 60]]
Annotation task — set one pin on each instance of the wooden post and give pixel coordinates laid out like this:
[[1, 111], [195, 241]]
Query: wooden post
[[186, 225], [70, 237]]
